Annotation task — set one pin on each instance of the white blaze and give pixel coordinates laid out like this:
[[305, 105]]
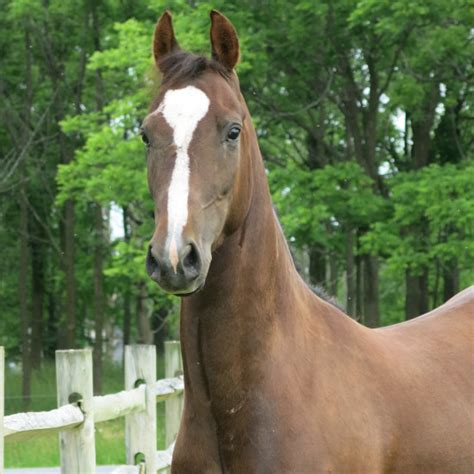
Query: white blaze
[[182, 110]]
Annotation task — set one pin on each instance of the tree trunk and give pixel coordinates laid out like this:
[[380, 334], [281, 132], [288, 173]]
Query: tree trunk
[[159, 328], [333, 274], [127, 317], [145, 335], [99, 302], [416, 299], [67, 333], [37, 296], [450, 279], [23, 298], [421, 143], [317, 265], [425, 292], [99, 298], [359, 311], [371, 291], [69, 275], [412, 295], [350, 274], [127, 313], [416, 285], [434, 300], [361, 123], [24, 236], [51, 336], [422, 124]]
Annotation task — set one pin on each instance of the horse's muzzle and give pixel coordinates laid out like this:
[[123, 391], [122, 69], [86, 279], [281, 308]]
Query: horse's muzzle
[[180, 276]]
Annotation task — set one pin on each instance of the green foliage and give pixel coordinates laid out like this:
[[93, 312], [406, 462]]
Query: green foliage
[[111, 164], [441, 200], [336, 197]]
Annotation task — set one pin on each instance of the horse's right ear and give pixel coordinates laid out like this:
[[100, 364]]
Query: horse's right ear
[[164, 41]]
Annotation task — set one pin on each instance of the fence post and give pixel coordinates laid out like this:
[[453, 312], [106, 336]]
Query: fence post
[[140, 427], [2, 404], [74, 382], [173, 406]]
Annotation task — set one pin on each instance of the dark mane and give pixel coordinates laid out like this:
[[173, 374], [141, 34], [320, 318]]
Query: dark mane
[[182, 66], [323, 294], [316, 289]]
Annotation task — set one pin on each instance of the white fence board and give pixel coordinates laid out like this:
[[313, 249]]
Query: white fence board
[[169, 388], [116, 405], [22, 426], [163, 459]]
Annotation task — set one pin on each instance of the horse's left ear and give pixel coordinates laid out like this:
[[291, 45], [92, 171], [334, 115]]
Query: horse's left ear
[[224, 40]]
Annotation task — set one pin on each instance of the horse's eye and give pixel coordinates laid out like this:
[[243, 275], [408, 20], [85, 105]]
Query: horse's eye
[[145, 138], [233, 133]]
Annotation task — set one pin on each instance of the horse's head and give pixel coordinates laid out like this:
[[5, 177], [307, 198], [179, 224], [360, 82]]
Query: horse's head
[[197, 136]]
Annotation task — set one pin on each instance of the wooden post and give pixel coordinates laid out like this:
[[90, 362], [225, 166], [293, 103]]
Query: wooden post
[[74, 383], [140, 427], [2, 403], [173, 406]]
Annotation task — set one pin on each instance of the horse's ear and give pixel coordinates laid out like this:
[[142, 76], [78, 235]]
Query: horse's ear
[[164, 41], [224, 40]]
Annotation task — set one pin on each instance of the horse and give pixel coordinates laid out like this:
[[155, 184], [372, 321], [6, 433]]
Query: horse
[[278, 380]]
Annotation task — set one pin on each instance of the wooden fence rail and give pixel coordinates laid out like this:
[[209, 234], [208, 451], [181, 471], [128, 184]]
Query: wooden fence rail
[[78, 410]]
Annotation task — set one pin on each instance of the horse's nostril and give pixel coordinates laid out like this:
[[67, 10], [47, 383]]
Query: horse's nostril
[[191, 261], [151, 264], [190, 257]]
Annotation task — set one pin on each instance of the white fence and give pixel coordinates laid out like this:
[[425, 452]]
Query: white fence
[[79, 410]]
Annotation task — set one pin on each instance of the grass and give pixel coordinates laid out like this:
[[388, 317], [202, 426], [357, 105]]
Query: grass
[[43, 451]]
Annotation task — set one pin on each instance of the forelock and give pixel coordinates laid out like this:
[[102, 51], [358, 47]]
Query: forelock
[[183, 66]]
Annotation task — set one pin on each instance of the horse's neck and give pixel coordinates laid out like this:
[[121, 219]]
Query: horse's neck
[[227, 328], [251, 265]]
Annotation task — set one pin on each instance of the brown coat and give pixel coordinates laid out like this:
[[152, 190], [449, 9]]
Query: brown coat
[[278, 380]]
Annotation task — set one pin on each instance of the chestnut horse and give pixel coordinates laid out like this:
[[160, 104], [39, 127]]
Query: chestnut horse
[[277, 379]]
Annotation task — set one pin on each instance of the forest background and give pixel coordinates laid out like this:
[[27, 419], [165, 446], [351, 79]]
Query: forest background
[[364, 112]]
